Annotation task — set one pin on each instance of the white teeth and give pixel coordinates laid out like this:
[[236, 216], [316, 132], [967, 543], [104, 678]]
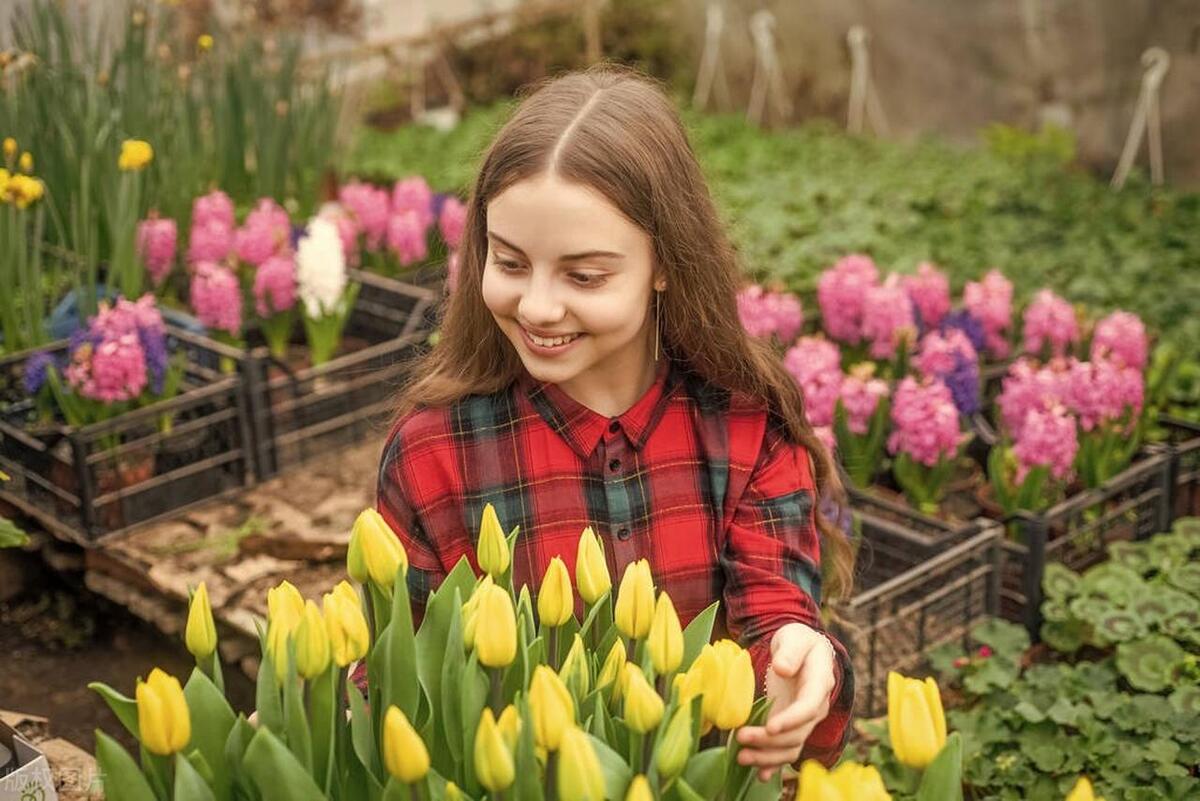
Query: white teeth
[[551, 343]]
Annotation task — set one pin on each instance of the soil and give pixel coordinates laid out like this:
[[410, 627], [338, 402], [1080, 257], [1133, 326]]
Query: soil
[[58, 637]]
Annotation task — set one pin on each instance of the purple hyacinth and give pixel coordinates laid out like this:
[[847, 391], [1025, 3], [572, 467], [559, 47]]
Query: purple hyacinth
[[154, 346], [34, 376], [962, 320], [963, 382]]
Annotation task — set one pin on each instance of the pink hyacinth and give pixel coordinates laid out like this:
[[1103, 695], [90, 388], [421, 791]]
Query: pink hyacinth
[[413, 194], [888, 318], [990, 302], [452, 221], [267, 231], [211, 241], [1048, 439], [841, 294], [1050, 320], [1101, 392], [217, 206], [925, 422], [1121, 337], [370, 207], [860, 396], [452, 268], [406, 237], [929, 291], [936, 355], [1029, 387], [826, 437], [217, 298], [275, 285], [156, 241], [764, 313], [815, 363], [114, 371], [128, 317]]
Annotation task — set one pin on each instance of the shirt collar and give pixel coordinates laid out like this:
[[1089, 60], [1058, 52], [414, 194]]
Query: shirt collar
[[582, 428]]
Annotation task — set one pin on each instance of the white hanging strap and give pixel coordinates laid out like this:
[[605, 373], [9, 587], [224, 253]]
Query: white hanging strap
[[768, 76], [710, 60], [1147, 118], [864, 106]]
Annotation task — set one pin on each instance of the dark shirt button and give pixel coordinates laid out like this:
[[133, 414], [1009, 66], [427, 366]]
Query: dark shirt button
[[614, 426], [615, 464], [622, 533]]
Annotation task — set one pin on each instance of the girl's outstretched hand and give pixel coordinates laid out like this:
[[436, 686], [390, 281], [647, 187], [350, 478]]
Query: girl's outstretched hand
[[800, 680]]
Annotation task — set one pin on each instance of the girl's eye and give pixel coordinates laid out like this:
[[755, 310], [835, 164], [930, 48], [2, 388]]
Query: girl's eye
[[507, 266], [587, 279]]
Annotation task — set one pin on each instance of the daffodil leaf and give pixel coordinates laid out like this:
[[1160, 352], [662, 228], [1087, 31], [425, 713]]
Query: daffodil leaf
[[276, 772], [698, 634], [124, 707], [189, 784], [212, 720], [121, 776]]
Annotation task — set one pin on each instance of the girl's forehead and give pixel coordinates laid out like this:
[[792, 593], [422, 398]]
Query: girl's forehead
[[551, 214]]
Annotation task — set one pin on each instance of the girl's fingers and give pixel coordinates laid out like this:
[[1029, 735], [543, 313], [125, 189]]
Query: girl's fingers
[[792, 738], [774, 758]]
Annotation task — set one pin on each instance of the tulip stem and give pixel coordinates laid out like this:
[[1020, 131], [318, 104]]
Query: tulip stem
[[636, 741], [553, 647], [552, 776], [496, 701]]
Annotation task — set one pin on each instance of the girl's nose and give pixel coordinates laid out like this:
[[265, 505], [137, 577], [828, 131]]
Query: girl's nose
[[539, 305]]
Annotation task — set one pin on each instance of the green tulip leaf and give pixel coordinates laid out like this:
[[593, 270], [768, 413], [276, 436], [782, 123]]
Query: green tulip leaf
[[705, 772], [528, 786], [121, 775], [239, 739], [276, 772], [212, 720], [362, 734], [452, 660], [189, 784], [682, 791], [942, 780], [124, 707], [617, 774], [295, 719], [266, 694], [698, 634]]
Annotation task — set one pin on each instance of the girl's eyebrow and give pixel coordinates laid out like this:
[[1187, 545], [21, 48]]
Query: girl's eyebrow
[[587, 254]]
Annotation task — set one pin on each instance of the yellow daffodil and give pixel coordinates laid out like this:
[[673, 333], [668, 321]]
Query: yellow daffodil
[[551, 708], [916, 721], [136, 154], [404, 752], [200, 635], [493, 760], [556, 601], [665, 641], [635, 601], [164, 724], [591, 570], [492, 550]]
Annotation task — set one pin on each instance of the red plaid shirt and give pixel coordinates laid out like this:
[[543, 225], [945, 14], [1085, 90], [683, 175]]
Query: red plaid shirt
[[690, 478]]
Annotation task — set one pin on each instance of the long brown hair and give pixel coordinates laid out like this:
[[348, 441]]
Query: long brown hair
[[617, 132]]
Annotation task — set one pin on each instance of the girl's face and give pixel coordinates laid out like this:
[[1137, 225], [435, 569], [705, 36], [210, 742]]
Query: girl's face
[[568, 280]]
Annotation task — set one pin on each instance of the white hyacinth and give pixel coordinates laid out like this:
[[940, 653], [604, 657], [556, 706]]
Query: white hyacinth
[[320, 268]]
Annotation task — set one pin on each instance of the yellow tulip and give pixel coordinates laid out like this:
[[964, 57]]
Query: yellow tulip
[[613, 670], [346, 626], [556, 601], [673, 750], [574, 671], [579, 774], [492, 550], [1083, 791], [551, 708], [200, 636], [493, 760], [312, 643], [859, 782], [10, 148], [643, 707], [135, 155], [510, 727], [729, 675], [452, 793], [665, 642], [285, 601], [404, 752], [635, 601], [816, 785], [496, 628], [468, 612], [639, 790], [591, 570], [164, 725], [381, 550], [916, 722], [26, 163], [356, 560]]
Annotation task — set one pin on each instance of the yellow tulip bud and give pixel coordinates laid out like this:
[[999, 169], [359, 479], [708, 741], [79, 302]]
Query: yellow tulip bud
[[551, 708], [452, 793], [815, 784], [635, 601], [164, 725], [732, 686], [860, 782], [26, 163], [665, 642], [496, 628], [468, 613], [135, 155], [510, 727], [639, 790], [356, 560], [382, 552], [312, 643], [200, 635], [492, 550], [285, 601], [10, 148], [493, 761], [916, 721], [279, 635], [346, 626], [556, 601], [675, 747], [613, 670], [643, 707], [574, 671], [579, 774], [404, 752], [591, 569], [1082, 791]]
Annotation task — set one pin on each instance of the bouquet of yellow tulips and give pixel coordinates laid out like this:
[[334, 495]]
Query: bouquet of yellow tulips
[[491, 697]]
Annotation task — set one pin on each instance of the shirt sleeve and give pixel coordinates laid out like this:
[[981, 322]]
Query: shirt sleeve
[[771, 560]]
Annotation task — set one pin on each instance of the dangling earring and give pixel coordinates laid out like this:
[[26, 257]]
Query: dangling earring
[[657, 321]]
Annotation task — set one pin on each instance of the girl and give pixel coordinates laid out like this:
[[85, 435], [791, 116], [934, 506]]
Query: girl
[[592, 370]]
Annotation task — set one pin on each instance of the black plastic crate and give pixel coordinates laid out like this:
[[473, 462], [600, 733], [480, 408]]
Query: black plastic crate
[[913, 593], [1183, 447], [918, 526], [1132, 505], [300, 414], [84, 483]]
